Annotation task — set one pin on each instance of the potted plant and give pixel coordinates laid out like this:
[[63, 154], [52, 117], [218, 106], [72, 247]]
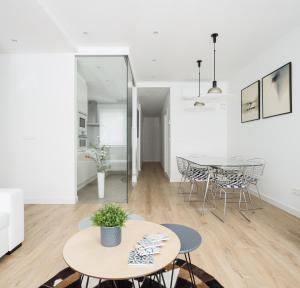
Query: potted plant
[[99, 155], [110, 219]]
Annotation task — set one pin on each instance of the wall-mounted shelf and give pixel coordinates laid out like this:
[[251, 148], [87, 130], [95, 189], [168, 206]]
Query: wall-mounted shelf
[[93, 124]]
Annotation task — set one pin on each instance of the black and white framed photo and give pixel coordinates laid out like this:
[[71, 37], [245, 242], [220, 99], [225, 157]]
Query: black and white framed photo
[[250, 102], [277, 92]]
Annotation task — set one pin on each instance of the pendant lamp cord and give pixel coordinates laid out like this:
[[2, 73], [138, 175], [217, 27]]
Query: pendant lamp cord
[[214, 61], [199, 81], [199, 65]]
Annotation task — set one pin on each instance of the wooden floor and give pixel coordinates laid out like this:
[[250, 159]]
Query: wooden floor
[[263, 253]]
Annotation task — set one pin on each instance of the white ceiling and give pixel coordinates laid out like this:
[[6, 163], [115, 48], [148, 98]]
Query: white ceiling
[[152, 100], [106, 78], [245, 27], [28, 23]]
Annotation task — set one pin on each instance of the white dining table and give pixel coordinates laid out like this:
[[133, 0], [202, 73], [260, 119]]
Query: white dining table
[[212, 161]]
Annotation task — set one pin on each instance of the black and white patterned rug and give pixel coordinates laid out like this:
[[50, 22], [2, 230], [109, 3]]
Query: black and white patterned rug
[[68, 278]]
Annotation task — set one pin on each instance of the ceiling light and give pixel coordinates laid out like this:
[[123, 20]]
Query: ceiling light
[[155, 32], [199, 103], [14, 40], [98, 67], [153, 60], [214, 88], [85, 33], [107, 80]]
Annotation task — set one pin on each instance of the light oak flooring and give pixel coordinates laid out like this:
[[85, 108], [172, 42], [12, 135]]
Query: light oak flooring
[[263, 253]]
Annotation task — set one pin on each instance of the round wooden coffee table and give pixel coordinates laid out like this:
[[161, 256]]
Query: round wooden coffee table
[[84, 253]]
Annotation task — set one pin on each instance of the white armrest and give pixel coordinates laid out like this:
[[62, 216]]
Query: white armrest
[[12, 202]]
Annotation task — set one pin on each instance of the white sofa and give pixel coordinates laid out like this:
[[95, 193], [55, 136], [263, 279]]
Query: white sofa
[[11, 220]]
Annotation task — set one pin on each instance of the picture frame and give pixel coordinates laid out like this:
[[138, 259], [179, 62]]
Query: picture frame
[[250, 102], [277, 92]]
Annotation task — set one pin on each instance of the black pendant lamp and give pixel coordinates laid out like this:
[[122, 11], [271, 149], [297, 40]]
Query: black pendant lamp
[[214, 88], [198, 102]]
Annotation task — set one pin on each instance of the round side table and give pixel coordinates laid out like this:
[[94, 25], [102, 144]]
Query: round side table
[[190, 240]]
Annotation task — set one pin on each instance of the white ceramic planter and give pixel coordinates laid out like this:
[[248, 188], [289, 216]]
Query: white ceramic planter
[[101, 184]]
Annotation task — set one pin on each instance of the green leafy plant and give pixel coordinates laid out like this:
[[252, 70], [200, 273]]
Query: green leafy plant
[[100, 156], [111, 215]]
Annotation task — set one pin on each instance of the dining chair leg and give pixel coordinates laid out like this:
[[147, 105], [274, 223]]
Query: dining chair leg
[[246, 204], [213, 193], [192, 188], [257, 190], [245, 199], [225, 204], [180, 183], [205, 195]]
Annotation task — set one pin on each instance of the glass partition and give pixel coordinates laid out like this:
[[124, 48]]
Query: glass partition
[[130, 84], [104, 100]]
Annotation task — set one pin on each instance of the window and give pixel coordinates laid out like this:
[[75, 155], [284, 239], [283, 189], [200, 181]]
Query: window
[[113, 124]]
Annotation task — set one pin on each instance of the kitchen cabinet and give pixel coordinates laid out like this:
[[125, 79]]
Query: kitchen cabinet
[[82, 97]]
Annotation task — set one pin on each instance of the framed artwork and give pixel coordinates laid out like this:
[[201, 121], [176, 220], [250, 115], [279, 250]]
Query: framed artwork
[[277, 92], [250, 102]]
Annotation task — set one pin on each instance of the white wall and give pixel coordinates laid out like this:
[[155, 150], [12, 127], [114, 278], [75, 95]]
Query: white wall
[[37, 124], [195, 132], [151, 139], [275, 139]]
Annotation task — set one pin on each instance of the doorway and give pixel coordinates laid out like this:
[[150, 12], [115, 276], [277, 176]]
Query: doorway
[[154, 114]]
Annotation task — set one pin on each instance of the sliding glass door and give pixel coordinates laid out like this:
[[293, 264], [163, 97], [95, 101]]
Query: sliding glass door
[[104, 98]]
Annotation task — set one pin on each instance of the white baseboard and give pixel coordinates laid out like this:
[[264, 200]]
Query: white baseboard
[[50, 199], [274, 202]]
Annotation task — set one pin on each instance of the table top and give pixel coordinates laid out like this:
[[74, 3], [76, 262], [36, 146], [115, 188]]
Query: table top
[[219, 161], [190, 239], [84, 253]]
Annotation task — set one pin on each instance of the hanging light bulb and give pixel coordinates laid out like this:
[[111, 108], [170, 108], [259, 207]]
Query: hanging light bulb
[[214, 89], [199, 102]]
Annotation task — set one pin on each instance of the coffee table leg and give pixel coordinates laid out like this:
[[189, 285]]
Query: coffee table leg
[[87, 281], [163, 278], [173, 267], [133, 284], [192, 269], [99, 284], [189, 265]]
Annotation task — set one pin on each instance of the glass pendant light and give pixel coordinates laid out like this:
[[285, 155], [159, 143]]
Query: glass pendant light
[[214, 89], [199, 103]]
